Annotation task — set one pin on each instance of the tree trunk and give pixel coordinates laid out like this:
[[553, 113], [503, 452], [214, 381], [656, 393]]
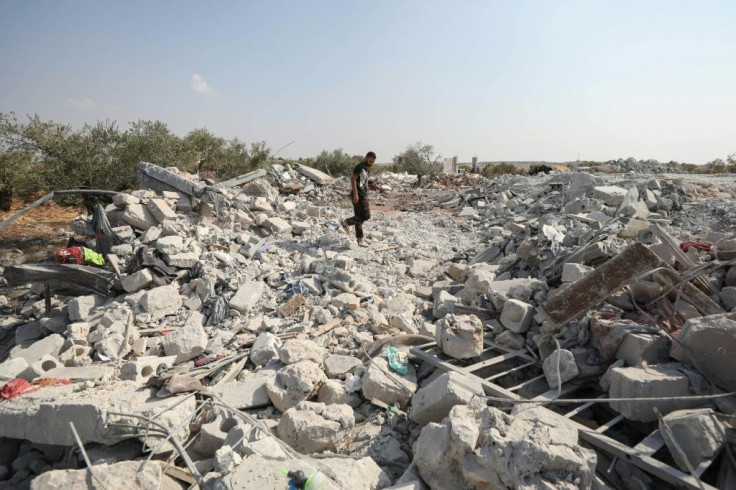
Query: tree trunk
[[6, 198]]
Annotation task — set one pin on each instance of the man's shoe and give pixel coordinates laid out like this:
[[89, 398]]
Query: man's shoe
[[345, 226]]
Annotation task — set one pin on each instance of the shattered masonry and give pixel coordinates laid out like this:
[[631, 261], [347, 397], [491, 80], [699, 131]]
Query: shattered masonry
[[236, 331]]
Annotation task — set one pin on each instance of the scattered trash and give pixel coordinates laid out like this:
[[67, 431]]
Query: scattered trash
[[397, 360]]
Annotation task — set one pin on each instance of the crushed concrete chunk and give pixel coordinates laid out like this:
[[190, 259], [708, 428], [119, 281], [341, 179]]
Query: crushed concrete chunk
[[433, 402], [295, 383], [381, 383], [315, 427], [485, 448], [460, 336], [697, 433], [161, 301]]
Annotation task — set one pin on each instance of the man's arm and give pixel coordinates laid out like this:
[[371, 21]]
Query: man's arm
[[354, 184]]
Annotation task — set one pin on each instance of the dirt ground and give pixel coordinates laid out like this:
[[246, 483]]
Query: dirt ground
[[43, 228]]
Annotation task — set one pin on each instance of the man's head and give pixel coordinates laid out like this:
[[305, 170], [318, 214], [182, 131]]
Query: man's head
[[370, 158]]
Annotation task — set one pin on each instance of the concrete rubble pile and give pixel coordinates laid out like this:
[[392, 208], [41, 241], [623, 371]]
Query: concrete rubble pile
[[243, 333]]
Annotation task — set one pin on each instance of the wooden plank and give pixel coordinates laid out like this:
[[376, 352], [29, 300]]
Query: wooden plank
[[582, 407], [526, 383], [512, 370], [596, 286], [326, 327], [651, 444], [519, 353], [615, 420], [490, 362], [232, 372], [181, 474]]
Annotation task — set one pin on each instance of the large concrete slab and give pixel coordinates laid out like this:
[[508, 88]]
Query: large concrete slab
[[43, 416]]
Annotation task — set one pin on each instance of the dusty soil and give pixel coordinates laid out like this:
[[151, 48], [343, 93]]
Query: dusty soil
[[41, 229]]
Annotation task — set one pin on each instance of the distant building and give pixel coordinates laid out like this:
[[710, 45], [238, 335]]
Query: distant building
[[449, 166]]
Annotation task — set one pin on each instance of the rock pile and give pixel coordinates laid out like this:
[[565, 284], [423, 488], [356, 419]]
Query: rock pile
[[238, 331]]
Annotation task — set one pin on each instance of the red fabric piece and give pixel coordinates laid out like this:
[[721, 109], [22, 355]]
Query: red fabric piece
[[71, 255], [685, 246], [15, 387]]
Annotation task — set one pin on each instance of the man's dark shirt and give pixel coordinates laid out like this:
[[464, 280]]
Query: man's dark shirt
[[361, 174]]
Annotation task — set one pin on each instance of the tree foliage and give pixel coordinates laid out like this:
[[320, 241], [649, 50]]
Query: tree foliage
[[42, 155], [335, 163], [417, 159], [494, 170]]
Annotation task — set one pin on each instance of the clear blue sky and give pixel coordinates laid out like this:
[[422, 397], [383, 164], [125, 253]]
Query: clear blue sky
[[527, 80]]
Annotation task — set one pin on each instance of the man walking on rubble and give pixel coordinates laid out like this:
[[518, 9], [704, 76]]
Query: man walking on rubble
[[359, 195]]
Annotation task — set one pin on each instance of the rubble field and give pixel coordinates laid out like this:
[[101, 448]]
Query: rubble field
[[562, 330]]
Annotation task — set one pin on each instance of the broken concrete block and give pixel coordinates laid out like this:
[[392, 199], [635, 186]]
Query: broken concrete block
[[334, 391], [710, 342], [313, 174], [144, 367], [510, 339], [160, 210], [728, 297], [137, 216], [131, 473], [460, 336], [213, 435], [697, 433], [295, 350], [261, 204], [138, 280], [662, 380], [43, 416], [315, 427], [420, 268], [485, 448], [433, 402], [46, 363], [458, 271], [122, 200], [295, 383], [641, 348], [185, 260], [80, 307], [568, 368], [300, 227], [610, 194], [81, 373], [277, 225], [444, 304], [12, 368], [170, 245], [161, 301], [631, 206], [265, 348], [246, 394], [517, 315], [226, 460], [247, 296], [574, 272], [188, 341], [337, 366], [50, 345], [390, 388]]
